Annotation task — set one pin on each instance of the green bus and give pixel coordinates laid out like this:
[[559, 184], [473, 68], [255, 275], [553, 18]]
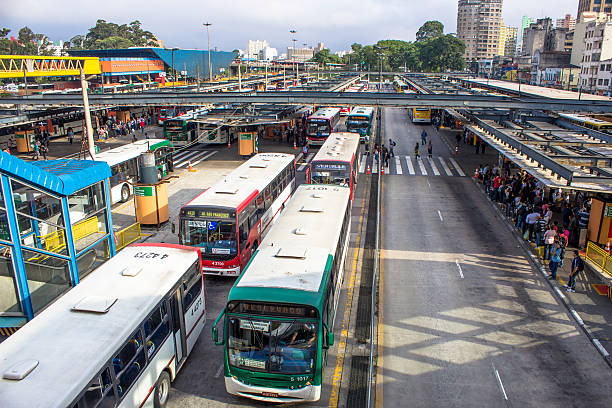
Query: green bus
[[180, 132], [360, 121], [279, 318]]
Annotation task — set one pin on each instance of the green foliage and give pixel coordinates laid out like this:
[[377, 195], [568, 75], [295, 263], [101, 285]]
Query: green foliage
[[431, 29], [325, 57], [105, 35], [432, 51]]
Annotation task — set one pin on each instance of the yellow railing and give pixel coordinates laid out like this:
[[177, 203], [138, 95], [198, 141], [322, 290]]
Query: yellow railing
[[599, 257], [56, 240], [127, 235]]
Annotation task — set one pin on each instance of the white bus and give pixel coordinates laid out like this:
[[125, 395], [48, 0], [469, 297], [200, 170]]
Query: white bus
[[320, 125], [117, 339], [280, 313], [124, 165], [229, 220]]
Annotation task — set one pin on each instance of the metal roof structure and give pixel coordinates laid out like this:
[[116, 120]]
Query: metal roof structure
[[62, 176]]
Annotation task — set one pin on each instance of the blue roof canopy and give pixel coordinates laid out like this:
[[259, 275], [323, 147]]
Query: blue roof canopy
[[62, 176]]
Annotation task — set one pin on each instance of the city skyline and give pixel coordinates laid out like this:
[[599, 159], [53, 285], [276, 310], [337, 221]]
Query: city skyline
[[341, 24]]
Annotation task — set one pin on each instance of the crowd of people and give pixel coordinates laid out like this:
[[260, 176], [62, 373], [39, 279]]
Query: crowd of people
[[551, 222], [113, 127]]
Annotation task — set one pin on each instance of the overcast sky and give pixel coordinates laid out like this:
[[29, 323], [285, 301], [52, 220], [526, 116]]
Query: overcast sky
[[338, 23]]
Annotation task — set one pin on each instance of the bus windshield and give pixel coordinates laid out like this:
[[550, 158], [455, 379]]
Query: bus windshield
[[273, 346], [318, 128], [216, 238], [358, 124], [336, 177]]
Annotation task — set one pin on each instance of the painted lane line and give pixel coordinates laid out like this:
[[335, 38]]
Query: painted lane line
[[461, 173], [446, 168], [307, 160], [194, 156], [219, 371], [410, 166], [601, 348], [433, 166], [421, 166], [398, 166], [204, 158], [459, 267], [186, 157], [362, 167], [374, 168], [501, 385], [440, 215]]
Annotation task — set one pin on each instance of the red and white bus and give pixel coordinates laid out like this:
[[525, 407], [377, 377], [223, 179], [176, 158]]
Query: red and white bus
[[337, 162], [229, 220], [320, 125]]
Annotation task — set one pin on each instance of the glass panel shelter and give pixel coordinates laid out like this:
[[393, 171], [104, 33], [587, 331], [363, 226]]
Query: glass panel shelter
[[55, 228]]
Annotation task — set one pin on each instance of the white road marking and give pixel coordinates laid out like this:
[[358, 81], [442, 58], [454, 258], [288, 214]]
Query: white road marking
[[219, 371], [307, 160], [362, 166], [204, 158], [446, 168], [374, 168], [421, 166], [499, 381], [459, 267], [461, 173], [398, 165], [409, 163], [196, 155], [440, 215], [433, 166]]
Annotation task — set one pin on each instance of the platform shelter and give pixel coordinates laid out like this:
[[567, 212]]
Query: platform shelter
[[55, 228]]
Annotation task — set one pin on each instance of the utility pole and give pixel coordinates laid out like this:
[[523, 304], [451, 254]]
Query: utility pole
[[293, 56], [207, 25], [88, 127], [173, 71]]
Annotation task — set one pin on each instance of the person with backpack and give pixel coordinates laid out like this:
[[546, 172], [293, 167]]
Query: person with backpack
[[392, 144], [577, 267]]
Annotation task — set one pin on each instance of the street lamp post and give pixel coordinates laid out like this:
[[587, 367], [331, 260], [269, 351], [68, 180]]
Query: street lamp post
[[207, 25], [173, 71], [293, 54]]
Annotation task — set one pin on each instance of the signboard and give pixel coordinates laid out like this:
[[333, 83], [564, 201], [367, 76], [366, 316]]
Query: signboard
[[254, 325], [183, 73], [143, 191], [214, 214], [162, 74], [608, 211], [247, 143]]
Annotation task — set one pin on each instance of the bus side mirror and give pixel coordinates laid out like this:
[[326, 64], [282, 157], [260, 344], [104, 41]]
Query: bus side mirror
[[330, 339], [215, 334], [215, 331], [173, 228]]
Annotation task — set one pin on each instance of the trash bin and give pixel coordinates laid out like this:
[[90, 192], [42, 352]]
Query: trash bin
[[25, 141]]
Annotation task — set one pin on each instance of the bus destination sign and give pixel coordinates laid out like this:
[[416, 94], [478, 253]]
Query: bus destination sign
[[330, 166]]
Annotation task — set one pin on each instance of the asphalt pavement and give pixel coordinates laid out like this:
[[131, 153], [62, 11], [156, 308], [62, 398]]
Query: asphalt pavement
[[466, 321]]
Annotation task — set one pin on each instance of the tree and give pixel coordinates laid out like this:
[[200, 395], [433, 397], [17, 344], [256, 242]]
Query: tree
[[26, 39], [5, 43], [431, 29], [442, 53], [325, 57]]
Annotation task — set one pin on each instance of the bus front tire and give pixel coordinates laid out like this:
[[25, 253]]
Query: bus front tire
[[162, 390], [125, 193]]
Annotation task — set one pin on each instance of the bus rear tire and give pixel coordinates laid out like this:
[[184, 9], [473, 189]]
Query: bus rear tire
[[125, 193], [162, 390]]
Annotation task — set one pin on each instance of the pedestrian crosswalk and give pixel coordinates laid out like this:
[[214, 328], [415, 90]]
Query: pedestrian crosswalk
[[409, 166], [182, 159]]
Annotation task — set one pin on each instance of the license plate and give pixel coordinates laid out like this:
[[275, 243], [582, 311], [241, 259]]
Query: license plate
[[269, 394]]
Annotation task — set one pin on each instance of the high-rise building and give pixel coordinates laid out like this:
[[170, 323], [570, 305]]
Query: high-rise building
[[596, 64], [598, 6], [478, 26], [568, 22], [507, 41], [525, 23], [253, 47]]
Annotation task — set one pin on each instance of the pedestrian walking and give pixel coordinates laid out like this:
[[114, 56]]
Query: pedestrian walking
[[416, 150], [429, 149], [304, 152], [43, 150], [367, 149], [549, 241], [134, 138], [35, 154], [386, 156], [146, 135], [477, 145], [555, 260], [577, 267], [424, 137], [391, 146], [377, 155], [70, 135]]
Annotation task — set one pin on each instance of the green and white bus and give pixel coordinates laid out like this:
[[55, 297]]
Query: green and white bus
[[279, 318], [360, 121]]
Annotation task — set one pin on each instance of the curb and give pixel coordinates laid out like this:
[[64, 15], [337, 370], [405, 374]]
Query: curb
[[537, 264]]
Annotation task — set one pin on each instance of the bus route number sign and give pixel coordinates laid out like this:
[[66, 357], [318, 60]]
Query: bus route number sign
[[143, 191]]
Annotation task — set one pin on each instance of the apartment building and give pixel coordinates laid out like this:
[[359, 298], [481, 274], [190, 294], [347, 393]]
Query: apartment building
[[478, 26]]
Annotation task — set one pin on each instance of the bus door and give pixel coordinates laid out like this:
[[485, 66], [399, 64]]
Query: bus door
[[178, 328]]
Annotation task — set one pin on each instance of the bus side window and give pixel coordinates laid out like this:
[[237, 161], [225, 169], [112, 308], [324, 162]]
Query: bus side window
[[156, 330], [129, 363], [261, 207], [243, 234], [268, 195], [192, 286], [99, 392]]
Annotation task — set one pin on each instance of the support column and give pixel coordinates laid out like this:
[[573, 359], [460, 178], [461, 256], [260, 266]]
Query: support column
[[109, 220], [90, 139], [74, 271]]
